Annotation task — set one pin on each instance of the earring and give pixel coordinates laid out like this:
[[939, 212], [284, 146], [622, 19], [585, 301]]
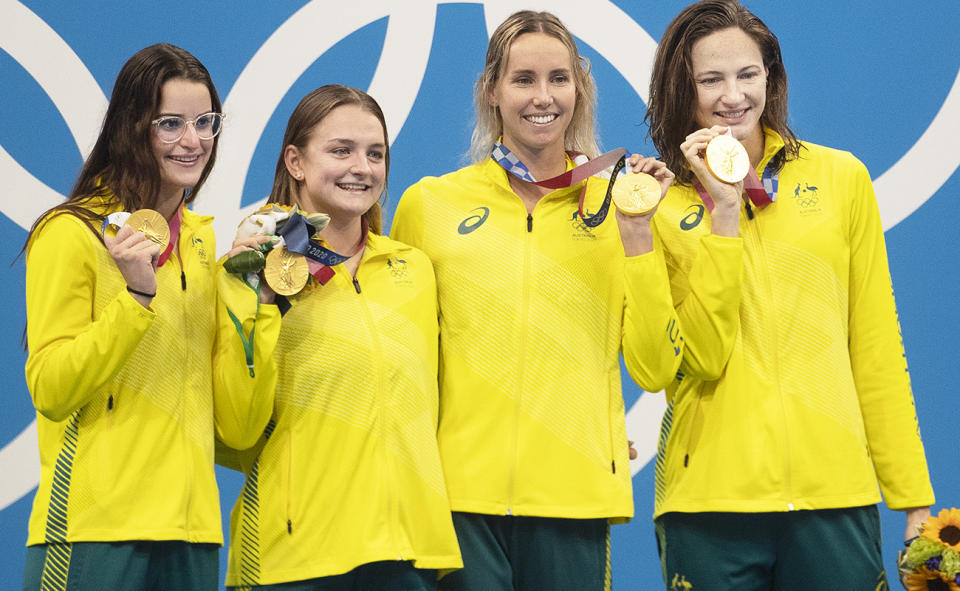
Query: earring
[[299, 175]]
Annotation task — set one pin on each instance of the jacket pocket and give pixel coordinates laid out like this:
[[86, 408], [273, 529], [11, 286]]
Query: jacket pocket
[[99, 425], [616, 419], [696, 419], [287, 484]]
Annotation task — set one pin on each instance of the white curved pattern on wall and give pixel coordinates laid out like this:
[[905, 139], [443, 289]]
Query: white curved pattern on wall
[[307, 34]]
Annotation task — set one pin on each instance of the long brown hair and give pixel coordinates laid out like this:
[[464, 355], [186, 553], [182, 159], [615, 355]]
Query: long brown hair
[[581, 134], [673, 95], [122, 167], [311, 110]]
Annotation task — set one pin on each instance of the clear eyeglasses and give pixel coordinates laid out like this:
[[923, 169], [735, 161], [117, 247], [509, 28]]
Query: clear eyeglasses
[[170, 128]]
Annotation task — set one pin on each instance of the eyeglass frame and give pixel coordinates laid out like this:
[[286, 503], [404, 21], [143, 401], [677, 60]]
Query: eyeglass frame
[[186, 122]]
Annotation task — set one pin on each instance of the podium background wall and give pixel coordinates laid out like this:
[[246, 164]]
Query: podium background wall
[[877, 78]]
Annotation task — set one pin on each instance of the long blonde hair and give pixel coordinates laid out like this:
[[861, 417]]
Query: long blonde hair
[[581, 133]]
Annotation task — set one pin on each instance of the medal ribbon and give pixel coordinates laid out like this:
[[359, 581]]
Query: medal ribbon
[[116, 218], [320, 259], [247, 340], [616, 158], [174, 236], [761, 192]]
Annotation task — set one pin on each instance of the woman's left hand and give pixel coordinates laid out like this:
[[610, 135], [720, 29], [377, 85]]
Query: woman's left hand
[[655, 168], [635, 231], [916, 516]]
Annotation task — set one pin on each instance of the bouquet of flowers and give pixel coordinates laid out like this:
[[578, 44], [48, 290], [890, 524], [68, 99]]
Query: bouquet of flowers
[[931, 561]]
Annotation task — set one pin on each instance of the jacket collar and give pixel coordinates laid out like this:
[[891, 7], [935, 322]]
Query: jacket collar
[[497, 175], [772, 143]]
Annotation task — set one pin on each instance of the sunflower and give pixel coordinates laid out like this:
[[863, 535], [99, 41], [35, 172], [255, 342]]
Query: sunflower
[[925, 580], [944, 528]]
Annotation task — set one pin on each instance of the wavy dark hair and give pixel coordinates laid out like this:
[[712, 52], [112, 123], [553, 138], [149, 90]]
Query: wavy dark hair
[[122, 167], [311, 110], [673, 94]]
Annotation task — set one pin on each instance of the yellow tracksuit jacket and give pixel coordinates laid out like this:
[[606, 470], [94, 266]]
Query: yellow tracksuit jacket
[[534, 312], [346, 469], [794, 391], [124, 394]]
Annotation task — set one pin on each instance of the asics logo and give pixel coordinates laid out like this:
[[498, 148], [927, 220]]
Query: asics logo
[[475, 221], [692, 219]]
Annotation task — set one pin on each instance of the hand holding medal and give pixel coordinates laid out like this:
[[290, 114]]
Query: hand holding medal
[[135, 242], [727, 159], [278, 241], [636, 196], [638, 192], [717, 163]]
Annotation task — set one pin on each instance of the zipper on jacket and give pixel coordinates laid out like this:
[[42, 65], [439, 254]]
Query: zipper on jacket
[[696, 410], [186, 329], [749, 209], [110, 402], [183, 275], [388, 472], [524, 308], [754, 230]]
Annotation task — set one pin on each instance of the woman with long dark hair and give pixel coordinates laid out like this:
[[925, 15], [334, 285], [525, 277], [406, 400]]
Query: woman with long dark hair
[[793, 402], [124, 355]]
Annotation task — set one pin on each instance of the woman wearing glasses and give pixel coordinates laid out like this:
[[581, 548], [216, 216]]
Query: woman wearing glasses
[[123, 355]]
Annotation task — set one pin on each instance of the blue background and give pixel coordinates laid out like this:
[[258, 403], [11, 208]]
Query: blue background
[[865, 76]]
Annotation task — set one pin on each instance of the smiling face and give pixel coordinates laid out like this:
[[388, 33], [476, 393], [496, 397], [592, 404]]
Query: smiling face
[[731, 83], [342, 169], [182, 162], [536, 94]]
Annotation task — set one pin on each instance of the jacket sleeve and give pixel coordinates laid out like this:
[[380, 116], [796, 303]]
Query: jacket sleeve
[[407, 226], [245, 372], [878, 359], [652, 340], [708, 305], [72, 355]]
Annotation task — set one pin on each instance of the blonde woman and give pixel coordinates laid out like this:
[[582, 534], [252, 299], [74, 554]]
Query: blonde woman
[[538, 297]]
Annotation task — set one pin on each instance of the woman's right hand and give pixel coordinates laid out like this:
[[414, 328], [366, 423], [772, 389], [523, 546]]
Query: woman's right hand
[[136, 257], [248, 243], [726, 197], [267, 295]]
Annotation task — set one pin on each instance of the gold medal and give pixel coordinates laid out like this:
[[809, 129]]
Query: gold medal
[[636, 193], [153, 226], [286, 272], [727, 159]]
